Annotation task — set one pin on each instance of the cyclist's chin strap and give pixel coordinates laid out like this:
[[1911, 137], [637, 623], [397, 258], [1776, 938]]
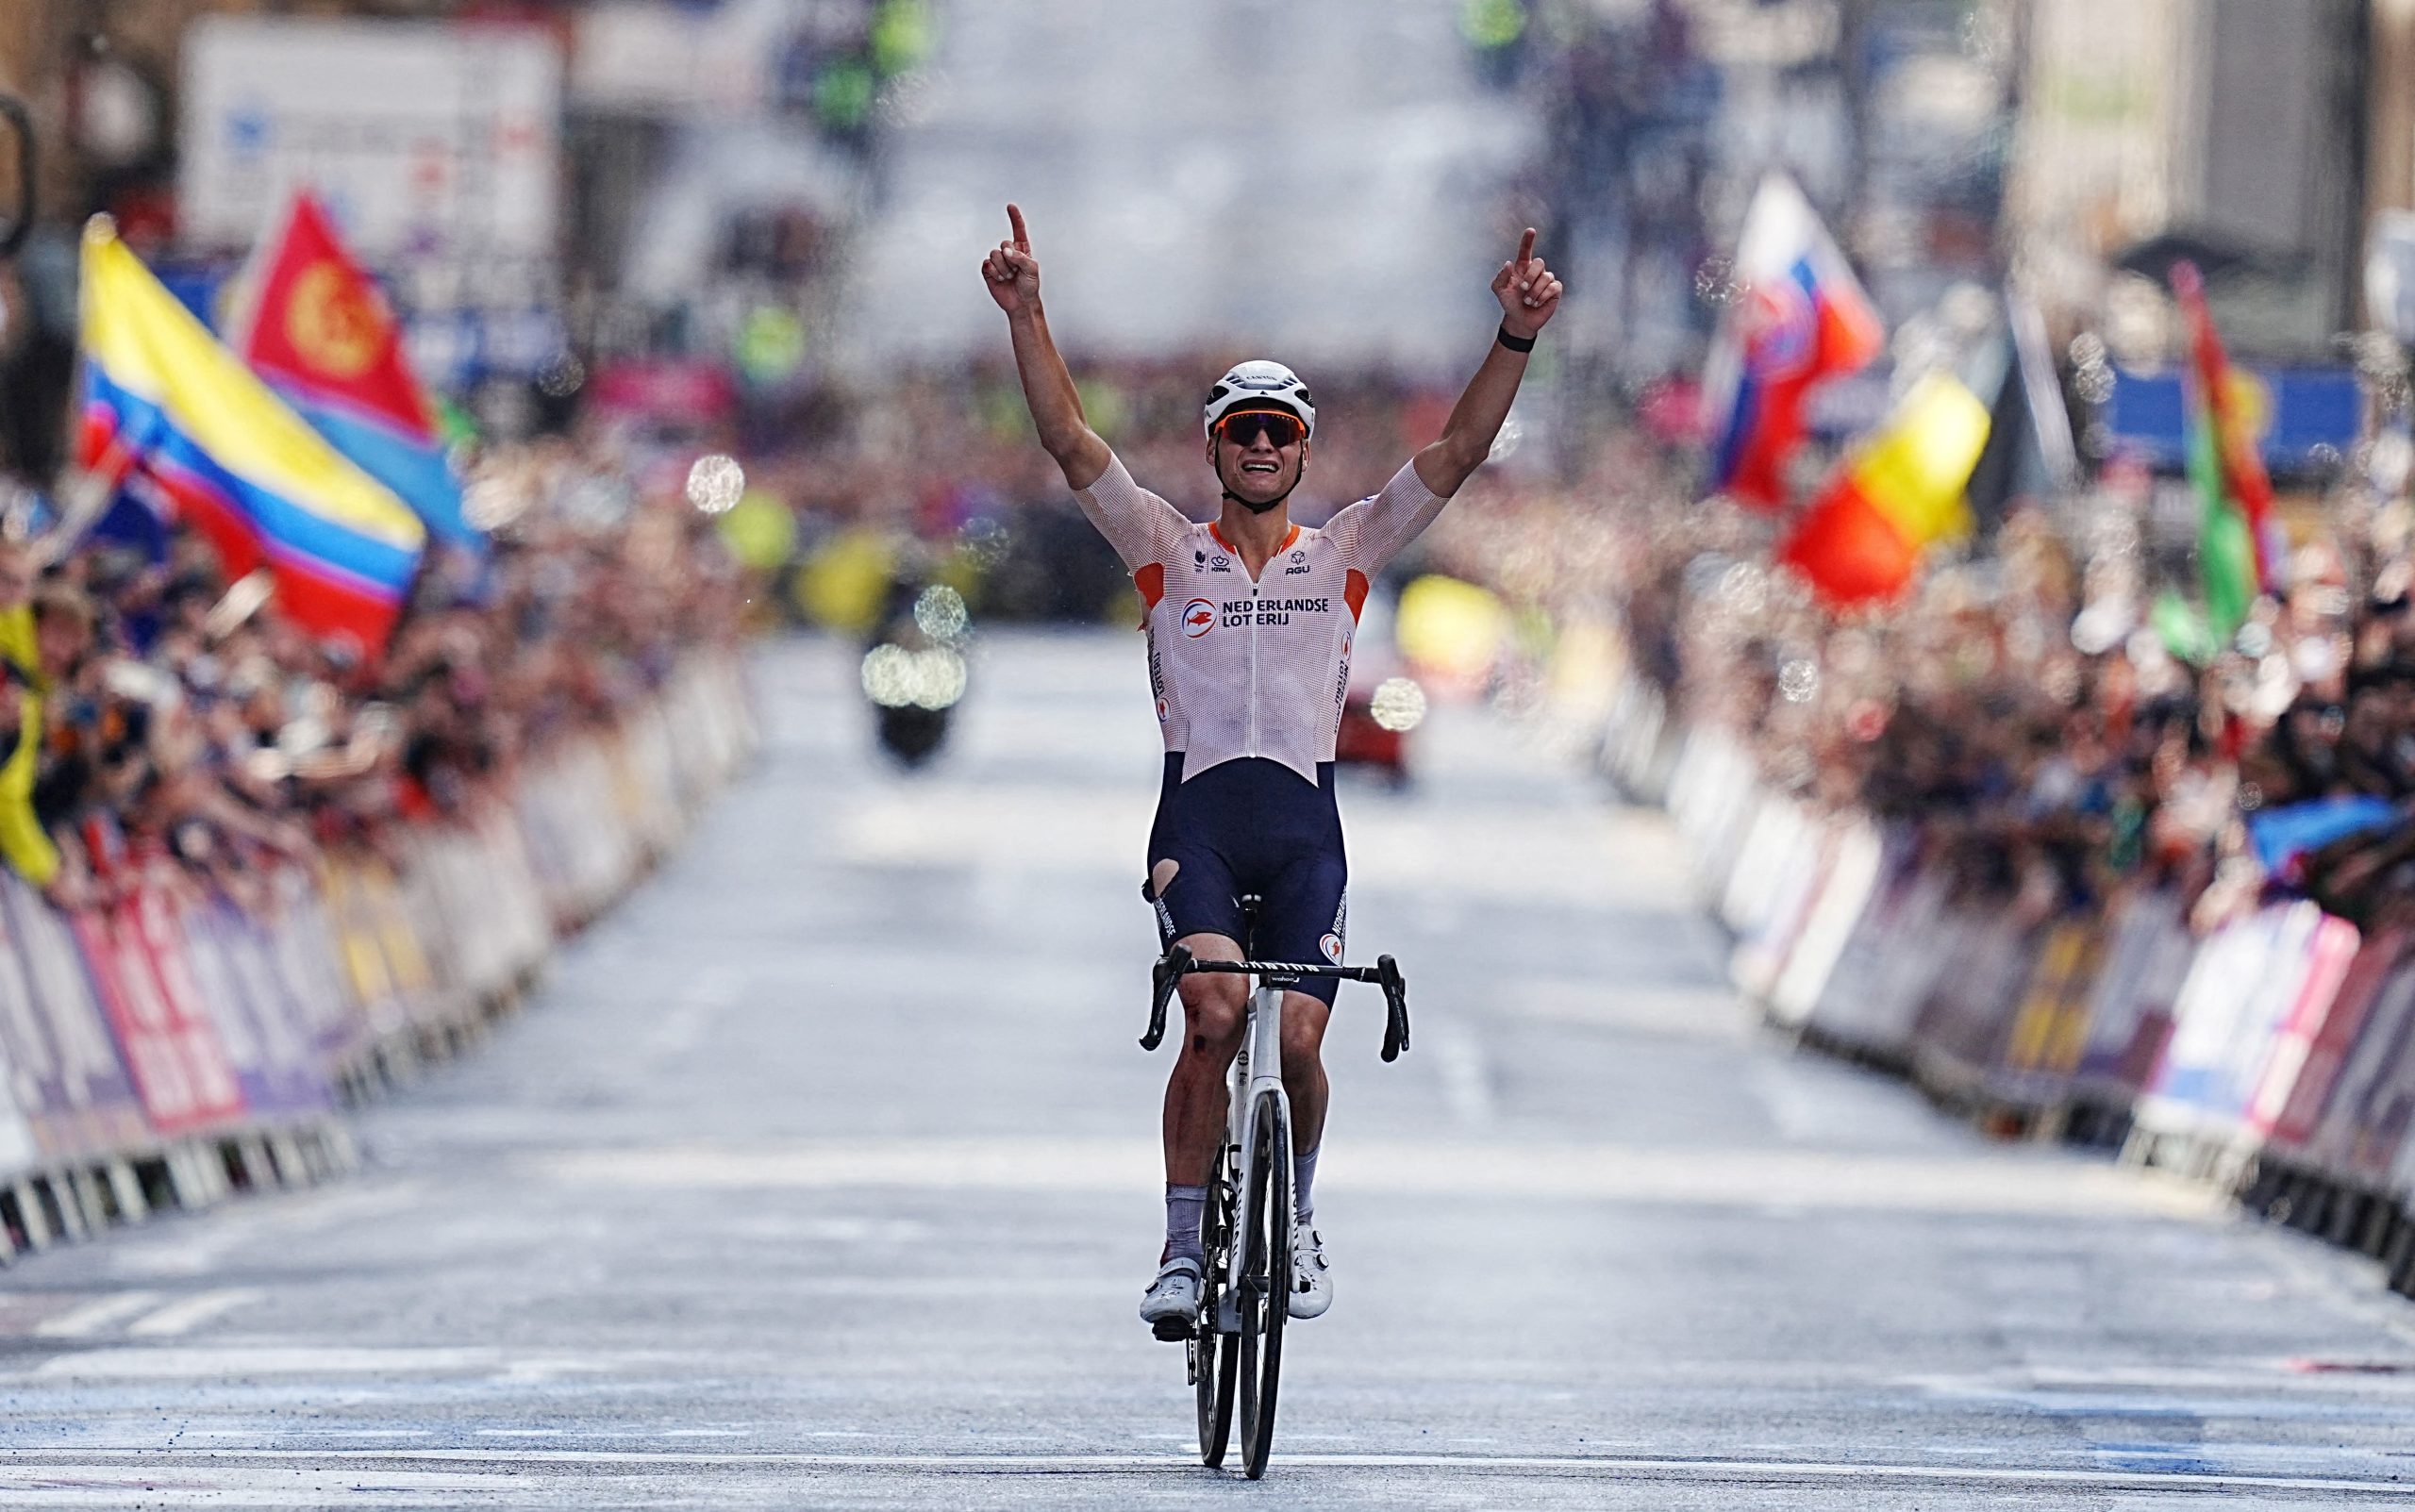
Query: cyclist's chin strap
[[1256, 507]]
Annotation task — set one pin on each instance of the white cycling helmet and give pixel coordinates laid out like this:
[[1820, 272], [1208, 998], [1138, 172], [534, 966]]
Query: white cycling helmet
[[1260, 385]]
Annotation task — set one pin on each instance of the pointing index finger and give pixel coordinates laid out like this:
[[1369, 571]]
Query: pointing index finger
[[1022, 238], [1525, 250]]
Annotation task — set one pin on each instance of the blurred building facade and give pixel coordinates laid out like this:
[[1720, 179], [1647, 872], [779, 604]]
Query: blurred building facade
[[2230, 132]]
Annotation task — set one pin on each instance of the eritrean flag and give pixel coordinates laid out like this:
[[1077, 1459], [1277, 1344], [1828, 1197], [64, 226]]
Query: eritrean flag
[[1798, 317], [165, 404], [1895, 494], [316, 326]]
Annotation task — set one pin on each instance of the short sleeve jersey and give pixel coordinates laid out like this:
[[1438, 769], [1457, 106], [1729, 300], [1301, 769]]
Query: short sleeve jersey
[[1244, 669]]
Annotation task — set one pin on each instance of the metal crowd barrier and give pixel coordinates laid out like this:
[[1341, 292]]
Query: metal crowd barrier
[[2273, 1057], [181, 1043]]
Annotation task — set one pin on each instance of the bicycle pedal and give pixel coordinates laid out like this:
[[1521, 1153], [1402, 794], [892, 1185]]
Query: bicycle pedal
[[1174, 1330]]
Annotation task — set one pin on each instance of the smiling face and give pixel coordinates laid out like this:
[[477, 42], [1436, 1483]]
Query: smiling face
[[1259, 473]]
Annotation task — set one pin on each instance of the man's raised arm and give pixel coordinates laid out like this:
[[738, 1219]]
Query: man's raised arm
[[1013, 274], [1529, 296]]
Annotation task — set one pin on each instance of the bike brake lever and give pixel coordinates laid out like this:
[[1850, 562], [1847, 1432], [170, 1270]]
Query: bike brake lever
[[1396, 1007], [1163, 977]]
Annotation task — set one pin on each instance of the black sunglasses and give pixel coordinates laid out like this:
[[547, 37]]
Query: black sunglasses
[[1244, 428]]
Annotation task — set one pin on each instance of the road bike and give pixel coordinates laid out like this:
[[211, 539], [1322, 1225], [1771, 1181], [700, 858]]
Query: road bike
[[1235, 1348]]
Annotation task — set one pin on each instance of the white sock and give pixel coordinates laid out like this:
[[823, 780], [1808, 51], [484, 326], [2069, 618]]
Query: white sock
[[1303, 1177], [1184, 1206]]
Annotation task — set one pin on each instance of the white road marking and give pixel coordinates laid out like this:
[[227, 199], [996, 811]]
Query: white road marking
[[1467, 1077], [1707, 1012], [27, 1466], [189, 1363], [715, 990], [184, 1316], [1997, 1183], [95, 1315]]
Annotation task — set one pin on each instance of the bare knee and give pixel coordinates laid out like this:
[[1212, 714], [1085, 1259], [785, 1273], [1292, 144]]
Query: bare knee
[[1213, 1009]]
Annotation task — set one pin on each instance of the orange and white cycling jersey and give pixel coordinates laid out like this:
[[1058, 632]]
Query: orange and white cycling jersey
[[1243, 669]]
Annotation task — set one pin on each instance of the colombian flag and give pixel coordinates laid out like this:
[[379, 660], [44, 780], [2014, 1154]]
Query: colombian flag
[[319, 331], [1895, 494], [164, 402], [1799, 317]]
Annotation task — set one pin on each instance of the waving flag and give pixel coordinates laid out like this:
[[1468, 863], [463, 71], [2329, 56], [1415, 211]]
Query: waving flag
[[168, 407], [316, 327], [1899, 491], [1799, 316], [2235, 498]]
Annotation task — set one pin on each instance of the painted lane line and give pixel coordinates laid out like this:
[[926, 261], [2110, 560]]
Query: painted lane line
[[18, 1471], [92, 1316], [179, 1318], [2045, 1186], [1466, 1076]]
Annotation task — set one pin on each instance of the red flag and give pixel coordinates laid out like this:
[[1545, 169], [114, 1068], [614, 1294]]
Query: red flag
[[317, 324]]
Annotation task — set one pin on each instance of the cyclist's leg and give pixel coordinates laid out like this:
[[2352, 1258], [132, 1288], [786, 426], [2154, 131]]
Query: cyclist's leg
[[1307, 916], [1198, 905]]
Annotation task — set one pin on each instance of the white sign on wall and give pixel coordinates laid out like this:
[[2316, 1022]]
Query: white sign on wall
[[430, 141]]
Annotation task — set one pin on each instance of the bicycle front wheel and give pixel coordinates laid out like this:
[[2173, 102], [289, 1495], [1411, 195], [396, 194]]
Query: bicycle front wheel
[[1265, 1228], [1215, 1357]]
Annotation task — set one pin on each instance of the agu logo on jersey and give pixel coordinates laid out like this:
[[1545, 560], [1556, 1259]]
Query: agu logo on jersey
[[1331, 945], [1198, 618]]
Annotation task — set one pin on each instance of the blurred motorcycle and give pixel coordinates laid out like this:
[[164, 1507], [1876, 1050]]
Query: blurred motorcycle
[[914, 669]]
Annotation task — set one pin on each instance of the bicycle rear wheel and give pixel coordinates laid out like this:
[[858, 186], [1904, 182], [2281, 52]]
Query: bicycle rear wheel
[[1266, 1279], [1215, 1357]]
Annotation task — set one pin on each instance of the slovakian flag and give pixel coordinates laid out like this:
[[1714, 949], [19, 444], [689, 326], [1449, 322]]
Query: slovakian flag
[[1799, 316], [314, 324], [168, 408], [1894, 495]]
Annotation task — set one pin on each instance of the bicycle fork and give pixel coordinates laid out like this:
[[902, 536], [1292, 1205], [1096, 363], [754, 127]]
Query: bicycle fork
[[1257, 1072]]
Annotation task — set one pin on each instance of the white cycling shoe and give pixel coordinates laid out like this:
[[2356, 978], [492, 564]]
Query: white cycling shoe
[[1311, 1275], [1170, 1306]]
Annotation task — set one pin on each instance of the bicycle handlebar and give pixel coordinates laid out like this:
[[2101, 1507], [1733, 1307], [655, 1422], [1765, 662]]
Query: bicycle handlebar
[[1177, 962]]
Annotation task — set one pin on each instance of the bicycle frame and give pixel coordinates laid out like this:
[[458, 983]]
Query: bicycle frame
[[1256, 1105], [1257, 1073]]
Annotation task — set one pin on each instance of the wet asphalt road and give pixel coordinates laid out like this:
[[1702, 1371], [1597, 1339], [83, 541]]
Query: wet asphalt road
[[822, 1174]]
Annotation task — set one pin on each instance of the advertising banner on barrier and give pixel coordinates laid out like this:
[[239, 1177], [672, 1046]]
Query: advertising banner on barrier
[[1766, 863], [347, 911], [2049, 1026], [1797, 869], [174, 1013], [1968, 1009], [2246, 980], [266, 1032], [2130, 1010], [1843, 899], [180, 1070], [2270, 1084], [2309, 1095], [2358, 1133], [303, 949], [73, 1084], [1884, 974]]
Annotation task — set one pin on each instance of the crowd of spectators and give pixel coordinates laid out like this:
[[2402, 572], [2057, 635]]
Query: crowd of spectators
[[2021, 714], [155, 709]]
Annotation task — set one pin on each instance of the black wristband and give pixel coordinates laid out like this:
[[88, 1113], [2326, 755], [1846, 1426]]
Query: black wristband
[[1515, 343]]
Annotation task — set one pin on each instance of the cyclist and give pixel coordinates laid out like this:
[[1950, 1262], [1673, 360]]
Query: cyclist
[[1250, 620]]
